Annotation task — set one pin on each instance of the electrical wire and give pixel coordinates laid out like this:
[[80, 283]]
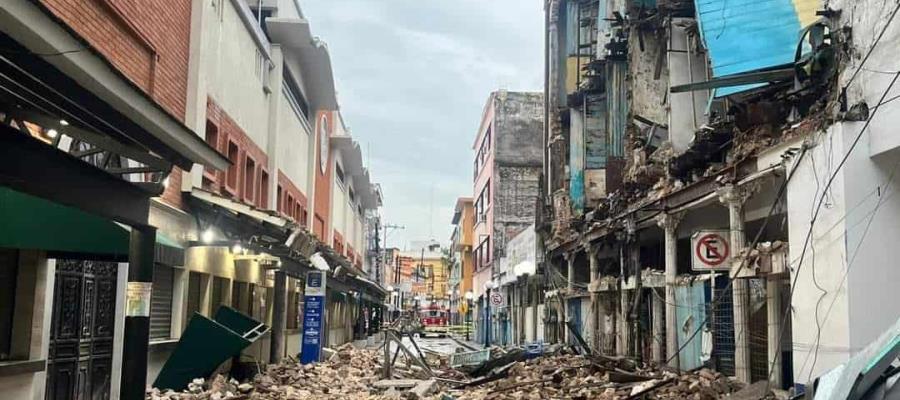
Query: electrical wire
[[818, 208], [850, 264], [872, 48]]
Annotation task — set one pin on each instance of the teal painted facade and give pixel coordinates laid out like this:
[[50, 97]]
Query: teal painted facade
[[747, 35]]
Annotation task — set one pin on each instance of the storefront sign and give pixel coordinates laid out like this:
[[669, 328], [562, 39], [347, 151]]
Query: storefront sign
[[137, 299], [313, 319]]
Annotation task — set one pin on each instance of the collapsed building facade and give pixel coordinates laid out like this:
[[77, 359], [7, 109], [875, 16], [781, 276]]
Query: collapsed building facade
[[717, 182]]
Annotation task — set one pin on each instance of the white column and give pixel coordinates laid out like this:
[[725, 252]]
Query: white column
[[593, 321], [734, 197], [775, 311], [623, 344], [659, 337], [669, 224]]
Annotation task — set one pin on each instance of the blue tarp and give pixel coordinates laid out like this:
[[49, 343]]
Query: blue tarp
[[748, 35]]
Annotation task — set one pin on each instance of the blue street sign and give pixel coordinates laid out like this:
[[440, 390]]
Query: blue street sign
[[313, 308]]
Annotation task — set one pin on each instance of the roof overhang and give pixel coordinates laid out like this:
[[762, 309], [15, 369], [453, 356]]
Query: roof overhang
[[294, 36], [30, 26], [369, 194]]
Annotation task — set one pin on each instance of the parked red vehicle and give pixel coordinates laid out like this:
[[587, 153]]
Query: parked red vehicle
[[435, 320]]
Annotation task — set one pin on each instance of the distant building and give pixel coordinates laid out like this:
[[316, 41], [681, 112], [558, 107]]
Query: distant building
[[507, 169], [461, 262]]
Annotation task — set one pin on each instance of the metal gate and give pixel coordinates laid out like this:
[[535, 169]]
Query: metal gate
[[79, 364], [722, 322]]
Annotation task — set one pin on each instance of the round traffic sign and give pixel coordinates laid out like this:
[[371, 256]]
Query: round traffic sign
[[496, 299], [712, 249]]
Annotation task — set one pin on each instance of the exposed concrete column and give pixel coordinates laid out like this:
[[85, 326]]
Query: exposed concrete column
[[774, 314], [570, 289], [659, 337], [669, 224], [593, 287], [623, 344], [734, 197]]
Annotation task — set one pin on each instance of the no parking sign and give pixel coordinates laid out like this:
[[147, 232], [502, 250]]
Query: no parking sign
[[710, 250]]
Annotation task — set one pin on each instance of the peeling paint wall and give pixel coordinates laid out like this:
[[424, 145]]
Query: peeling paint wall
[[518, 123], [648, 94], [687, 110], [518, 127], [576, 160]]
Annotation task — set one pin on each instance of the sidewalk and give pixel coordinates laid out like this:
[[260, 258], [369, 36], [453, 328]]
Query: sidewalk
[[470, 344]]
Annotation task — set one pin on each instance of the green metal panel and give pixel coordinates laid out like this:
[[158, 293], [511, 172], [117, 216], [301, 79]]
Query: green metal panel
[[206, 344], [29, 222]]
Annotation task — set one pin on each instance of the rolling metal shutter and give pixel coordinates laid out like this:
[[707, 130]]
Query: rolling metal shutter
[[161, 302]]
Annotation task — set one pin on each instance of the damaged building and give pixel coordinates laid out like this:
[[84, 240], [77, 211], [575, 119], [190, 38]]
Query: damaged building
[[718, 181]]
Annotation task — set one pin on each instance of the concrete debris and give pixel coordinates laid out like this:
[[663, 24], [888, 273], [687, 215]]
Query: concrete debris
[[352, 373]]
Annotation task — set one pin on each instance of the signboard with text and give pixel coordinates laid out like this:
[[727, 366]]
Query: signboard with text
[[313, 317], [710, 250]]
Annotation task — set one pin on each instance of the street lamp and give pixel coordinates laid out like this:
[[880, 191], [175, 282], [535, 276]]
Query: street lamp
[[469, 296]]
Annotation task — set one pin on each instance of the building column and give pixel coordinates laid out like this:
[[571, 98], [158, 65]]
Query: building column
[[279, 316], [142, 246], [775, 318], [570, 289], [593, 287], [623, 344], [669, 224], [659, 337], [734, 197]]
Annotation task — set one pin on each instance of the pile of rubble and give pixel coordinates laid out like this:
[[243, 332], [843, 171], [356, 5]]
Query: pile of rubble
[[351, 373], [570, 376], [200, 389]]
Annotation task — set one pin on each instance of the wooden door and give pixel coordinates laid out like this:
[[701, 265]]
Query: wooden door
[[79, 364]]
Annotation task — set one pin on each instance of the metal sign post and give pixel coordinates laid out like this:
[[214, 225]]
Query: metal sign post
[[313, 310]]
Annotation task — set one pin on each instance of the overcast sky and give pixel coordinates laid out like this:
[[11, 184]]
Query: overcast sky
[[412, 78]]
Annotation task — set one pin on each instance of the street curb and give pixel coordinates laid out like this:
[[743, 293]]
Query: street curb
[[464, 344]]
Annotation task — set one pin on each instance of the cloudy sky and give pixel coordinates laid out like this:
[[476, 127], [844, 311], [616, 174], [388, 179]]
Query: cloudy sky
[[412, 79]]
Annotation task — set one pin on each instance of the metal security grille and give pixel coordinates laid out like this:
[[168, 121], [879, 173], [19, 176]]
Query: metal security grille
[[759, 332], [722, 322], [161, 302]]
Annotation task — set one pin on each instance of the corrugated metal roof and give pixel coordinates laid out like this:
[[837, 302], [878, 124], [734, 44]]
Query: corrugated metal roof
[[747, 35]]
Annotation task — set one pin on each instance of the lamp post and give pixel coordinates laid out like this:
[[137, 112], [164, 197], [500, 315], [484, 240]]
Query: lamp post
[[469, 296]]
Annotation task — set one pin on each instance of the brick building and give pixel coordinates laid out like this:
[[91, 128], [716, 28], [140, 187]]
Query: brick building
[[228, 113]]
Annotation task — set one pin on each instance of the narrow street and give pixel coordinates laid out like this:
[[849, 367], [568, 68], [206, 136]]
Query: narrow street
[[449, 199]]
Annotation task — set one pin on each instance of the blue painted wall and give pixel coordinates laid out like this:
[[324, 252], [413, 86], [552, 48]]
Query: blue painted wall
[[690, 313], [746, 35]]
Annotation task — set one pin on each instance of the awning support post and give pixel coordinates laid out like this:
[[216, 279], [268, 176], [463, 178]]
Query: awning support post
[[279, 317], [137, 321]]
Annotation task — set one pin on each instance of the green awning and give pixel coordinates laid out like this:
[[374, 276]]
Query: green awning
[[29, 222]]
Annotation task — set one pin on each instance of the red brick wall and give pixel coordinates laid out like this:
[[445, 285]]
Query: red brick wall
[[146, 40], [289, 188], [229, 131], [172, 193]]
